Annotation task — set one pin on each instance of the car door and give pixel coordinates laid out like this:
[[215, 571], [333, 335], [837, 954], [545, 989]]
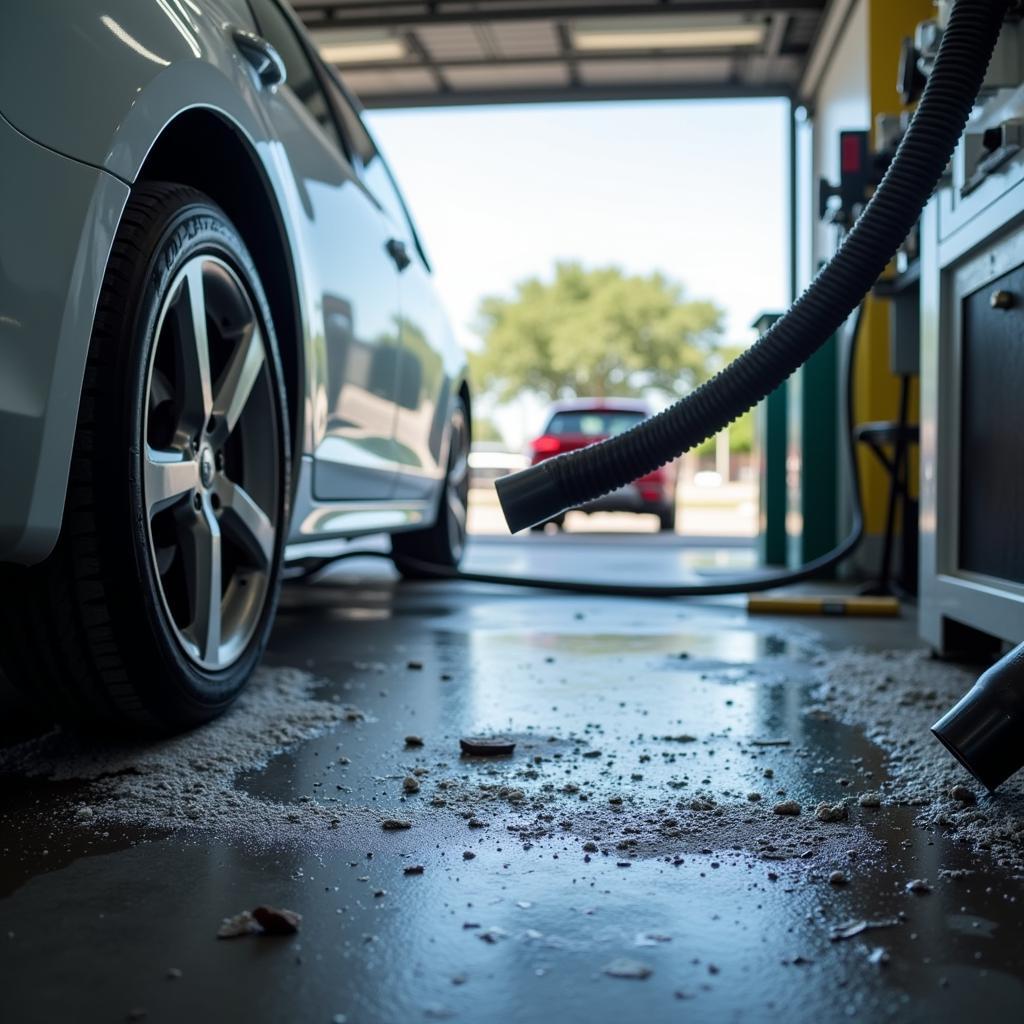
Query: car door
[[352, 278], [430, 357]]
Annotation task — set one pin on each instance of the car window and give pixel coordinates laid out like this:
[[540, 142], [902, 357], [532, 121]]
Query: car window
[[302, 77], [375, 173], [593, 422]]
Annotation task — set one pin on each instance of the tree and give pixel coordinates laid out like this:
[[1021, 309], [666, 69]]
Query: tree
[[485, 429], [598, 333]]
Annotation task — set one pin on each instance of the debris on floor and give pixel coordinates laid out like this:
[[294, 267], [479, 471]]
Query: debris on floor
[[623, 968], [486, 746], [260, 921], [895, 697]]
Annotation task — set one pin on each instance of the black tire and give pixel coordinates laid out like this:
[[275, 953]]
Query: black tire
[[557, 521], [667, 520], [91, 631], [443, 543]]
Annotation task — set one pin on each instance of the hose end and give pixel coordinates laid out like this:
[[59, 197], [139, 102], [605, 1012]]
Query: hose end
[[984, 730], [531, 496]]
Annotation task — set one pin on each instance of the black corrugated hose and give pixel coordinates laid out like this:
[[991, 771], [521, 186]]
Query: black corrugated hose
[[567, 481]]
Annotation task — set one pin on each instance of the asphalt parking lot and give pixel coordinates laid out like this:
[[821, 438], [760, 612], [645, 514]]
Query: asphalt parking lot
[[631, 859]]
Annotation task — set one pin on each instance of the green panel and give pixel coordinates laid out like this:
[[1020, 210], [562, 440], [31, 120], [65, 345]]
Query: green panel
[[771, 441], [813, 447]]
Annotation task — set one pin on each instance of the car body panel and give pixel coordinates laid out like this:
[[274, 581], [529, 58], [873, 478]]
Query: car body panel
[[116, 73], [351, 287], [52, 258], [82, 122]]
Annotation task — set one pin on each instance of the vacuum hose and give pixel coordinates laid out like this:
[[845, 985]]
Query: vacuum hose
[[567, 481]]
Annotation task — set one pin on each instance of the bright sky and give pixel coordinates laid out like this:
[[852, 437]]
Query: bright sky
[[695, 189]]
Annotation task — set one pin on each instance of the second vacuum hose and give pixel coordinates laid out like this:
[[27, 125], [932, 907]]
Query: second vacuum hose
[[536, 494]]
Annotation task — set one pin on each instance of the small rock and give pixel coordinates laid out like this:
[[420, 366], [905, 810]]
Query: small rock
[[787, 807], [414, 741], [476, 823], [487, 746], [413, 869], [493, 935], [468, 855], [963, 794], [84, 813], [918, 886], [395, 824], [753, 797], [837, 878], [237, 926], [277, 920], [590, 846], [411, 784], [879, 956], [870, 799], [624, 968], [831, 812], [416, 666]]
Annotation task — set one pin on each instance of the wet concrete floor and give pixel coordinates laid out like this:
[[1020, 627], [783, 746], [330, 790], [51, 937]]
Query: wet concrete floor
[[621, 837]]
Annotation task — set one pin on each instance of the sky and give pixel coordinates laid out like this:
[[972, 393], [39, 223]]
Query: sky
[[695, 189]]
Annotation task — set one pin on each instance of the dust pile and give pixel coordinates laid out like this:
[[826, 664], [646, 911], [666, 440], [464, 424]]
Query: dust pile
[[189, 780], [895, 697]]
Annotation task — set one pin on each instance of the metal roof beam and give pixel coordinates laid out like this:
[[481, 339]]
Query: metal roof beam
[[384, 15], [577, 94]]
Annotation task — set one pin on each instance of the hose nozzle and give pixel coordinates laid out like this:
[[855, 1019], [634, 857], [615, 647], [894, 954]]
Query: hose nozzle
[[984, 730], [531, 496]]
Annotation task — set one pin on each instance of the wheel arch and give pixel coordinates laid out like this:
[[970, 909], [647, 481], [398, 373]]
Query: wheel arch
[[467, 400], [232, 175]]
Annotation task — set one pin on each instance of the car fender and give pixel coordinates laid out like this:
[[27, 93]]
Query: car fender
[[115, 74]]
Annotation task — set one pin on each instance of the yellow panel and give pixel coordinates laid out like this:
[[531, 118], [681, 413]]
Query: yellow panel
[[877, 390]]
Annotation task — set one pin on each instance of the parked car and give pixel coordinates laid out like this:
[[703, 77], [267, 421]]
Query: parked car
[[489, 460], [218, 337], [578, 422]]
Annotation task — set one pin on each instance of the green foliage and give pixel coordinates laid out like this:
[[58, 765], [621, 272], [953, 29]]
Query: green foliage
[[598, 333], [741, 434], [741, 437], [485, 429]]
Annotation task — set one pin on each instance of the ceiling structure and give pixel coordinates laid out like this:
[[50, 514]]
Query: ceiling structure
[[409, 53]]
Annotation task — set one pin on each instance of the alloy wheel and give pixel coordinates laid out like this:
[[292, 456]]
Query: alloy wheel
[[211, 473], [456, 497]]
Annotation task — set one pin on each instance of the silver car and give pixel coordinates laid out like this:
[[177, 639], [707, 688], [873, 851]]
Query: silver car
[[218, 337]]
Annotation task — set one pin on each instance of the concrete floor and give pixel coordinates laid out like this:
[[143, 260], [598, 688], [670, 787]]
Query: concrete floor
[[725, 904]]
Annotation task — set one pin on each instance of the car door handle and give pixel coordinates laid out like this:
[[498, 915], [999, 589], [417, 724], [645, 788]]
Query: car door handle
[[265, 60], [398, 253]]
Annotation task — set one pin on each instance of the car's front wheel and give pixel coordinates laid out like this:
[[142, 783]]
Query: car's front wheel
[[156, 604], [442, 544]]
